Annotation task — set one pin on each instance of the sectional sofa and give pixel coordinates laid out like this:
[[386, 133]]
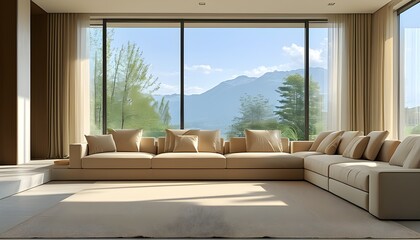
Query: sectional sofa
[[388, 191]]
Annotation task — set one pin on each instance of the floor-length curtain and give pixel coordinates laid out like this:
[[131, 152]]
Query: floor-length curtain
[[350, 58], [68, 78], [383, 89]]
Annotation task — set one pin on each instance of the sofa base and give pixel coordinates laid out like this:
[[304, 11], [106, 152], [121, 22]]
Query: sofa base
[[316, 179], [351, 194], [176, 174]]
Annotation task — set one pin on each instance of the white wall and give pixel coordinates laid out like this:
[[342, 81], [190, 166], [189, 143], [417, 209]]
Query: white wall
[[24, 80]]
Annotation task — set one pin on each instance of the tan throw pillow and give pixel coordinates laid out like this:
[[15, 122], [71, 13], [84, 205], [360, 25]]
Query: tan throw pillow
[[209, 141], [170, 137], [127, 140], [330, 143], [100, 143], [356, 147], [375, 144], [186, 143], [319, 139], [347, 137], [404, 155], [263, 141]]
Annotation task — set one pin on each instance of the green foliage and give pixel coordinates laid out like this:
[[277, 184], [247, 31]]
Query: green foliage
[[129, 91], [416, 130], [291, 108], [255, 113]]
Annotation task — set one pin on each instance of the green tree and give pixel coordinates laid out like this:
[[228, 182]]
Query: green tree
[[255, 113], [291, 108], [130, 86]]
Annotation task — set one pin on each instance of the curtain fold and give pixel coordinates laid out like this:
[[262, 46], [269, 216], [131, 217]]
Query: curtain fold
[[383, 88], [350, 58], [68, 78]]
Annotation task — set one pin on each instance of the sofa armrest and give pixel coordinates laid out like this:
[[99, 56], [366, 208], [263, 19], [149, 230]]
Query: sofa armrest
[[394, 193], [77, 152], [161, 145], [300, 146]]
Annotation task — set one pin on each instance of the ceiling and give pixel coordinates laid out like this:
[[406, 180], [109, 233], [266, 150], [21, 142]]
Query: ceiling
[[211, 6]]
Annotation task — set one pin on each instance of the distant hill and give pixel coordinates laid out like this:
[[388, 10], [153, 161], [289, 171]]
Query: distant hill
[[216, 108]]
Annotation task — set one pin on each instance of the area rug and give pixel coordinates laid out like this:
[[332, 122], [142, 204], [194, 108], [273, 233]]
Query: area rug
[[281, 209]]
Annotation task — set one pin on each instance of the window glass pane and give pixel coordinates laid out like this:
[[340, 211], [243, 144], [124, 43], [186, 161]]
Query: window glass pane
[[318, 78], [242, 75], [143, 77], [410, 71], [96, 106]]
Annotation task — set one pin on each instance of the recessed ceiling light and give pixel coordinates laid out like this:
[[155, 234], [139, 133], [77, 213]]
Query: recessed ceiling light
[[331, 4], [202, 3]]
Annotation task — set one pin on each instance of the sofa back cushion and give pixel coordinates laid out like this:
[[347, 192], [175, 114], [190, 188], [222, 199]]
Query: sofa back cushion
[[100, 143], [356, 147], [148, 145], [376, 140], [186, 143], [407, 154], [319, 139], [210, 141], [263, 141], [330, 143], [387, 150], [170, 137], [238, 144], [346, 138], [127, 140]]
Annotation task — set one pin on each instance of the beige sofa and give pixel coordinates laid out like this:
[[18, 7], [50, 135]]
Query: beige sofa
[[386, 191]]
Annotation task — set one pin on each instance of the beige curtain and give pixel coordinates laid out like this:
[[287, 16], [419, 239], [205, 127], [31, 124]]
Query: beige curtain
[[68, 81], [383, 87], [350, 58]]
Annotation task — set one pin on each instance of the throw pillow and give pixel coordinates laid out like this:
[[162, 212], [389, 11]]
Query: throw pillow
[[404, 155], [375, 143], [319, 139], [356, 147], [330, 143], [263, 141], [100, 143], [209, 141], [347, 137], [186, 143], [170, 137], [127, 140]]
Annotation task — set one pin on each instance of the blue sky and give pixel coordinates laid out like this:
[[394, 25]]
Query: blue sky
[[213, 55]]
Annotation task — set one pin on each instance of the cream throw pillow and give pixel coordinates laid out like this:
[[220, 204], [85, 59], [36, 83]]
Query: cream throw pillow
[[127, 140], [407, 153], [263, 141], [100, 143], [319, 139], [346, 138], [330, 143], [170, 137], [375, 144], [209, 141], [356, 147], [186, 143]]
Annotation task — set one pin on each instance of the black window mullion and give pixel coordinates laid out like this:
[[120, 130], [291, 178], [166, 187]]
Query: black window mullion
[[182, 76], [104, 77], [306, 80]]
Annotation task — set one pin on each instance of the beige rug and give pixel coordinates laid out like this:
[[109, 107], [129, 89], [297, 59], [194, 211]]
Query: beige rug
[[279, 209]]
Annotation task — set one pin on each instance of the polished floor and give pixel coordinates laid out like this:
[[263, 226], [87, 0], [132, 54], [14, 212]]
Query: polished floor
[[27, 204]]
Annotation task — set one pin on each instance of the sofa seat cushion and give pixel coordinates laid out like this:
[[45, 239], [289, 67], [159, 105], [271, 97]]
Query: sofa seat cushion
[[263, 160], [356, 174], [305, 154], [118, 160], [189, 160], [321, 163]]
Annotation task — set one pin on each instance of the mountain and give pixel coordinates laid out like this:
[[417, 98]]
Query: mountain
[[217, 107]]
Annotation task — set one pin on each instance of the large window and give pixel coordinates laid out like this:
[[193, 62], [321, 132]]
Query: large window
[[227, 75], [410, 71]]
